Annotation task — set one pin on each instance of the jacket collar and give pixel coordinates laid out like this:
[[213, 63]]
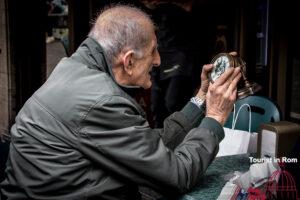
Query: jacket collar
[[92, 54]]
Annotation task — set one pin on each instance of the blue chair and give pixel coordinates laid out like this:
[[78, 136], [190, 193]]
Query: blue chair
[[263, 110]]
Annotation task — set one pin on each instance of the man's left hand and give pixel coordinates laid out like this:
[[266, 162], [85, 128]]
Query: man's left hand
[[204, 81]]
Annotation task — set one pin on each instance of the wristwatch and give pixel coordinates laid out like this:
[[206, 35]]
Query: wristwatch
[[198, 101]]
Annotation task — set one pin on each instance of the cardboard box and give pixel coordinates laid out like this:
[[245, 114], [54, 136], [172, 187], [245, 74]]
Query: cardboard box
[[277, 139]]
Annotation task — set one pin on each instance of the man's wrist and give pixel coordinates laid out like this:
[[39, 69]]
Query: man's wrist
[[214, 126], [199, 102], [219, 119], [201, 94]]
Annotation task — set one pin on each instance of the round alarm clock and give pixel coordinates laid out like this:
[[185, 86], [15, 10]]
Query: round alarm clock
[[223, 61]]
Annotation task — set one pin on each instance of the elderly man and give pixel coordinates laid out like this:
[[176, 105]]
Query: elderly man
[[82, 136]]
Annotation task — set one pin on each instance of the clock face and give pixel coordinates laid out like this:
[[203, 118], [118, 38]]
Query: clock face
[[220, 65]]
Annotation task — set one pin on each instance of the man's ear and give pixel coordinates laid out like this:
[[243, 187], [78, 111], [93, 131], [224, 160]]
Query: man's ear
[[127, 62]]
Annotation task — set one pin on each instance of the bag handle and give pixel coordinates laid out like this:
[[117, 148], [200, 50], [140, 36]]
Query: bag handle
[[235, 118]]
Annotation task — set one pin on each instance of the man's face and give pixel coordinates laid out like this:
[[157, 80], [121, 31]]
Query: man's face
[[142, 66]]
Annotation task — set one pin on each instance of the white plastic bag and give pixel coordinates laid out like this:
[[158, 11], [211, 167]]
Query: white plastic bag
[[238, 141]]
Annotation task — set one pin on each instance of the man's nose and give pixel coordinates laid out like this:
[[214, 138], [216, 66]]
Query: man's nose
[[157, 61]]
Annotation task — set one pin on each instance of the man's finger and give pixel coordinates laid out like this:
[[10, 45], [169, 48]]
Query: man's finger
[[205, 70], [233, 95], [207, 67], [237, 71], [233, 53], [224, 77], [233, 84]]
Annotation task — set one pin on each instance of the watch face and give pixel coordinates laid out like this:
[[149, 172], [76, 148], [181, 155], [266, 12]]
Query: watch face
[[220, 65]]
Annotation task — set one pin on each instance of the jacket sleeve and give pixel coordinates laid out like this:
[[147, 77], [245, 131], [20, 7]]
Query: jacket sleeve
[[177, 125], [116, 137]]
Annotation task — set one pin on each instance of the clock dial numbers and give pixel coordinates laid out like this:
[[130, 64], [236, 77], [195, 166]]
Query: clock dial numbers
[[221, 62]]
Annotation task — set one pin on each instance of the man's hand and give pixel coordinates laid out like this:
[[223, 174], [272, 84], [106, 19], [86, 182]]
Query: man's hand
[[204, 81], [222, 94]]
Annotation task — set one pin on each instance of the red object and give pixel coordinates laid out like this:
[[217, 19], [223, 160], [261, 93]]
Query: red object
[[281, 185], [256, 194]]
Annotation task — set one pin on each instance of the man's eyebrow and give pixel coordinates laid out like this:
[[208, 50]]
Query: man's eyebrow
[[154, 48]]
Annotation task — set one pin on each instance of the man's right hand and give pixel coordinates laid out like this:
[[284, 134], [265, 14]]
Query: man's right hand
[[222, 95]]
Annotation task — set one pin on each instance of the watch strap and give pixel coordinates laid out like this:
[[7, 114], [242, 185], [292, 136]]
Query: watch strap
[[198, 101]]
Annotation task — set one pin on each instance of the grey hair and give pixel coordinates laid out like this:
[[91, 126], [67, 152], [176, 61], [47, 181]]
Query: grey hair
[[121, 28]]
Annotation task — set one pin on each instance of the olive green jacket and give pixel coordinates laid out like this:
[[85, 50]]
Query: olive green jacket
[[82, 136]]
